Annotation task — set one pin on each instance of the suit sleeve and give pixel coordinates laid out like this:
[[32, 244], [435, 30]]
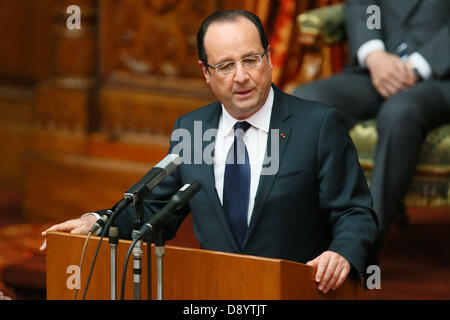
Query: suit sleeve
[[344, 194], [355, 22], [436, 52]]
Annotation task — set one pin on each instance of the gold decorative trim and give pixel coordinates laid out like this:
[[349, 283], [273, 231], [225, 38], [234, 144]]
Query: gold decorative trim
[[78, 83]]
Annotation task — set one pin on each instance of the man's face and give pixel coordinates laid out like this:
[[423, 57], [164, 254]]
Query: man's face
[[244, 91]]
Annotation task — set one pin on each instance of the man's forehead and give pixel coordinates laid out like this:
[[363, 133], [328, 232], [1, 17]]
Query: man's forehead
[[239, 31], [217, 28]]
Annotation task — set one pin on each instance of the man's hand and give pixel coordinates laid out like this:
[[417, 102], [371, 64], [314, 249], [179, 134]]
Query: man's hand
[[410, 67], [3, 297], [79, 226], [389, 74], [332, 270]]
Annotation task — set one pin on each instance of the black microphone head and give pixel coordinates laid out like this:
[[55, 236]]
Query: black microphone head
[[186, 192], [167, 166], [176, 202], [195, 186], [155, 175]]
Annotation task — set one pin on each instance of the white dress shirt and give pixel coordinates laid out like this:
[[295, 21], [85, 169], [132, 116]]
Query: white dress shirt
[[255, 139]]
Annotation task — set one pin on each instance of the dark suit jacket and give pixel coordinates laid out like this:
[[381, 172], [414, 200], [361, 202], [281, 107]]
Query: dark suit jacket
[[423, 25], [318, 200]]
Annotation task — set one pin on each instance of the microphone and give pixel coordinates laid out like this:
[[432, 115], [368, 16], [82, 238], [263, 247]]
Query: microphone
[[143, 187], [177, 201], [161, 170]]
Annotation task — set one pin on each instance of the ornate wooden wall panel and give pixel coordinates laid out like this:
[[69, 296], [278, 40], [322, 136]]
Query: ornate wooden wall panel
[[64, 106], [24, 59], [134, 111], [16, 121], [64, 99], [152, 38], [63, 186]]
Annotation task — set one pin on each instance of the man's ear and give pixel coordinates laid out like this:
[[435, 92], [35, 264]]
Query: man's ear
[[269, 54], [204, 70]]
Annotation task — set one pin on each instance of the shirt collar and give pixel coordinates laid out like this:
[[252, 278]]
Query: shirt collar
[[260, 119]]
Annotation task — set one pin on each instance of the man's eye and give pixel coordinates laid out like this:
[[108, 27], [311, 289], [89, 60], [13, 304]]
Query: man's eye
[[250, 61], [225, 66]]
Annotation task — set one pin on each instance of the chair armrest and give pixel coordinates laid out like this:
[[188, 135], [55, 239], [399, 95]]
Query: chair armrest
[[326, 23]]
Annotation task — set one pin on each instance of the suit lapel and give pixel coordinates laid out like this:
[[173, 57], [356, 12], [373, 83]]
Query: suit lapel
[[210, 185], [280, 112]]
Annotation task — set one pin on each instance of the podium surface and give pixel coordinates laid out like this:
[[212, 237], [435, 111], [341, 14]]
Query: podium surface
[[191, 274]]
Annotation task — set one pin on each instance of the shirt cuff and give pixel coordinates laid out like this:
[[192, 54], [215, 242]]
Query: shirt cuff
[[91, 213], [422, 66], [367, 48]]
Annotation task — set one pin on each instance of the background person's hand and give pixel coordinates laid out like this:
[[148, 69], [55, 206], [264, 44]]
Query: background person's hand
[[77, 226], [332, 270], [389, 74], [410, 67]]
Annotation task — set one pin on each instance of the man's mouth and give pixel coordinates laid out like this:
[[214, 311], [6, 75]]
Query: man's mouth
[[243, 92]]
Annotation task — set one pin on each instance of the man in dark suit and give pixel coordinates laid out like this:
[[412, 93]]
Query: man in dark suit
[[400, 74], [310, 204]]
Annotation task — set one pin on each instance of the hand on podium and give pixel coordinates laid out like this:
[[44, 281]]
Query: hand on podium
[[332, 270], [77, 226], [3, 297]]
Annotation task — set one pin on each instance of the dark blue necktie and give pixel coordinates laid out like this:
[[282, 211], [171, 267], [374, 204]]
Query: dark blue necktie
[[236, 187]]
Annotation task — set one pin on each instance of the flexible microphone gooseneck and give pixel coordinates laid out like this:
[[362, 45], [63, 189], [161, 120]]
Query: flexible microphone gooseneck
[[136, 192]]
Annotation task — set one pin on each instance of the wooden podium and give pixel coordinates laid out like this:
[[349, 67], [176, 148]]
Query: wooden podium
[[187, 274]]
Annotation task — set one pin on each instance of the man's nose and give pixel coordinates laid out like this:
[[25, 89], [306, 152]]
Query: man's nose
[[240, 73]]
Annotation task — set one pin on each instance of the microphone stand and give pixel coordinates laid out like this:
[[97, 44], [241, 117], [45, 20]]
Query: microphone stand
[[149, 240], [137, 252], [113, 242], [159, 253]]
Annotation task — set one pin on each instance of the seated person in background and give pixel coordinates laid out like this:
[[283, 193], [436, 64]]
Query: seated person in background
[[401, 75], [314, 208]]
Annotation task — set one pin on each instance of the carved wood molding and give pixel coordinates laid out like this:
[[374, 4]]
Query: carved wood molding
[[151, 37]]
